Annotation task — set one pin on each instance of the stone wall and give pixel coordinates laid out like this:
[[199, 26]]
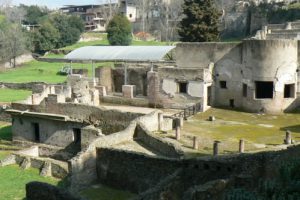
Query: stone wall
[[58, 133], [83, 166], [57, 169], [157, 144], [238, 66], [137, 101], [19, 61], [129, 171], [136, 76], [108, 120], [21, 86], [198, 178], [200, 55]]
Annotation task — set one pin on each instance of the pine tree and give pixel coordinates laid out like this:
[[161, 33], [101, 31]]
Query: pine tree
[[200, 23], [119, 31]]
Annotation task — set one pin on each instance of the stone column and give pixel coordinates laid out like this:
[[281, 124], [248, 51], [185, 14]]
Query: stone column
[[153, 88], [104, 75], [216, 148], [181, 121], [288, 138], [160, 121], [195, 143], [242, 146], [177, 129]]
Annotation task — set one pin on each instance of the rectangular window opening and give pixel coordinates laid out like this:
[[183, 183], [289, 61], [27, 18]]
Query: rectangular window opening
[[289, 91], [231, 103], [245, 90], [77, 135], [182, 87], [264, 89], [36, 131], [223, 84]]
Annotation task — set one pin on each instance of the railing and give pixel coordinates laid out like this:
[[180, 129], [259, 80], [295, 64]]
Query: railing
[[188, 112]]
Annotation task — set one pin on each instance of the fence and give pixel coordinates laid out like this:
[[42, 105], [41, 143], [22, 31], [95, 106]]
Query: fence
[[188, 112]]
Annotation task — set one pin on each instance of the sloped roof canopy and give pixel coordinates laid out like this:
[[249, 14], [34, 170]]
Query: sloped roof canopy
[[120, 53]]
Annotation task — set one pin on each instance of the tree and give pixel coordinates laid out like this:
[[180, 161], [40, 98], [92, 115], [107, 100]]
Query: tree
[[68, 29], [200, 23], [34, 14], [45, 38], [119, 31]]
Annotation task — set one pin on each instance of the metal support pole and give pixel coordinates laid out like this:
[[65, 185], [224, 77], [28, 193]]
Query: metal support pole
[[151, 66], [71, 72], [125, 74]]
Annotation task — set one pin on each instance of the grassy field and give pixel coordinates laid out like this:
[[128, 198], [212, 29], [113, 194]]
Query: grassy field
[[13, 181], [102, 41], [260, 132], [36, 71], [9, 95], [101, 192]]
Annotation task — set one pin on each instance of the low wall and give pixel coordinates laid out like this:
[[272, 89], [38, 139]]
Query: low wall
[[21, 86], [139, 102], [130, 171], [59, 169], [83, 166], [158, 144]]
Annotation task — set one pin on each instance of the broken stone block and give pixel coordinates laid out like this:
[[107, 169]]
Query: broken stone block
[[216, 148], [129, 91], [46, 170], [26, 163], [211, 118], [102, 91]]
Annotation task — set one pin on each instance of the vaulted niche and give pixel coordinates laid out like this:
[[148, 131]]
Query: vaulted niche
[[264, 89]]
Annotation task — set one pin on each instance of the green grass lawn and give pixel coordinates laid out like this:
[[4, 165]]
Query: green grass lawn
[[101, 192], [9, 95], [13, 181], [103, 41], [36, 71], [51, 55], [12, 178], [259, 131]]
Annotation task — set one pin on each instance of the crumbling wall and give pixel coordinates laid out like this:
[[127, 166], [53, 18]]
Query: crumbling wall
[[58, 133], [108, 120], [197, 178], [136, 76], [130, 171]]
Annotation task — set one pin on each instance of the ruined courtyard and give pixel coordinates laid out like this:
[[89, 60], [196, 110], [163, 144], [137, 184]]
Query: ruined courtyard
[[214, 116]]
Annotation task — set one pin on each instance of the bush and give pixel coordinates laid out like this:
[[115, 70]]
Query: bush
[[119, 31]]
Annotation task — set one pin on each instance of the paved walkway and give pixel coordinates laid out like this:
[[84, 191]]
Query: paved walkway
[[142, 110]]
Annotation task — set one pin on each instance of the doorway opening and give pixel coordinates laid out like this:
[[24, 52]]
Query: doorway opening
[[77, 135], [36, 131]]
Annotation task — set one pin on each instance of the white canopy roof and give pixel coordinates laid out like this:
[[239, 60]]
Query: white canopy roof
[[120, 53]]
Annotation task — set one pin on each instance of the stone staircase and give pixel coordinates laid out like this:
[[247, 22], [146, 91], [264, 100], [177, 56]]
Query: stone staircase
[[289, 30]]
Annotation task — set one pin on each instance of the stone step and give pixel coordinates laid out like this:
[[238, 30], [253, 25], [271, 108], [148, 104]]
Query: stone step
[[46, 170], [9, 160], [26, 163]]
